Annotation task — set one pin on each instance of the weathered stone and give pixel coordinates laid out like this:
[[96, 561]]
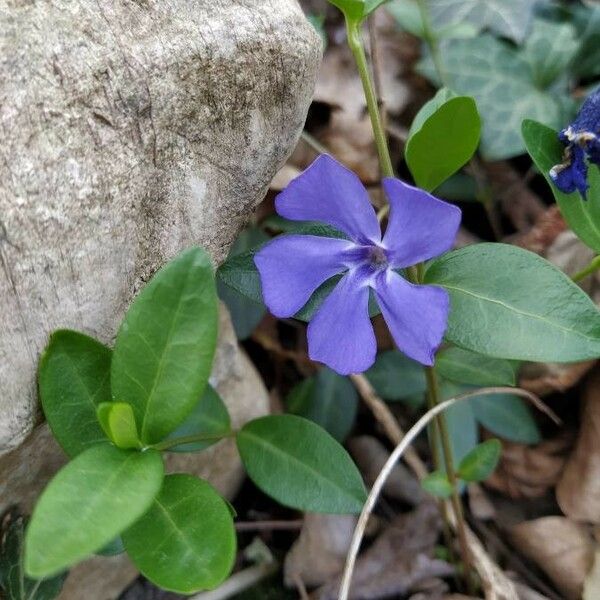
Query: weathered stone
[[130, 129]]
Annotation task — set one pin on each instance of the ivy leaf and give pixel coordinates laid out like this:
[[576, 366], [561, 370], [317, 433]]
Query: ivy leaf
[[497, 307], [509, 18], [507, 416], [87, 504], [445, 141], [300, 465], [165, 346], [210, 416], [481, 461], [13, 582], [464, 366], [328, 399], [396, 377], [186, 542], [74, 373], [587, 21], [549, 49], [495, 74], [118, 422], [245, 314], [583, 217], [437, 484]]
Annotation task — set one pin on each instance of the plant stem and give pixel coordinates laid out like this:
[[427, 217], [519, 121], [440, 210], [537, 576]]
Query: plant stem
[[191, 439], [592, 267], [358, 51], [433, 43], [414, 274]]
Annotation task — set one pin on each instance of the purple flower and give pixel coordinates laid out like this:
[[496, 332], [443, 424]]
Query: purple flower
[[581, 139], [293, 266]]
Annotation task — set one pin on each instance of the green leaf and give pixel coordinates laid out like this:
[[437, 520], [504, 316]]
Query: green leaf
[[165, 346], [437, 484], [396, 377], [113, 548], [444, 143], [507, 302], [549, 48], [210, 415], [74, 377], [118, 422], [300, 465], [245, 314], [481, 461], [507, 416], [582, 216], [464, 366], [494, 74], [14, 584], [429, 108], [87, 504], [328, 399], [186, 542], [354, 10], [460, 187], [509, 18], [586, 63]]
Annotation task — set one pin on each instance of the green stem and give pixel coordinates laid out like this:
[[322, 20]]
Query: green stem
[[358, 51], [415, 273], [431, 40], [592, 267], [192, 439]]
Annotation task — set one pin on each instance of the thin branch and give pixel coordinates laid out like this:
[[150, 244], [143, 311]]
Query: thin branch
[[400, 449], [269, 525]]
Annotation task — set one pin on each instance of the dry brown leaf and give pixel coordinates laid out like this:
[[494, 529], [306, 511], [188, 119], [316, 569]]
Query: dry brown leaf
[[370, 456], [563, 549], [530, 471], [320, 551], [578, 491], [398, 561], [283, 177]]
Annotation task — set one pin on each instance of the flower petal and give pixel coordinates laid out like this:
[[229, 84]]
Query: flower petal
[[340, 334], [329, 192], [417, 315], [420, 226], [292, 267], [572, 174]]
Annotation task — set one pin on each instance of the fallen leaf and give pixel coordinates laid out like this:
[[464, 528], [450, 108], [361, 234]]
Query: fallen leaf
[[578, 491], [398, 561], [320, 552], [563, 549]]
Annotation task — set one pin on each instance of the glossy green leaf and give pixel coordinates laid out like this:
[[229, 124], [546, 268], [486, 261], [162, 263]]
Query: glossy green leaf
[[209, 416], [118, 422], [549, 48], [507, 416], [300, 465], [429, 108], [74, 377], [328, 399], [494, 74], [507, 302], [396, 377], [509, 18], [464, 366], [186, 542], [14, 584], [245, 314], [437, 484], [582, 216], [165, 346], [445, 142], [89, 503], [481, 461]]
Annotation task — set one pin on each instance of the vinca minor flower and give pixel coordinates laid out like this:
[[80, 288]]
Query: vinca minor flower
[[293, 266], [582, 139]]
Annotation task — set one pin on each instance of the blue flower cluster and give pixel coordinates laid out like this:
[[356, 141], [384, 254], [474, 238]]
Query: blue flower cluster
[[582, 143]]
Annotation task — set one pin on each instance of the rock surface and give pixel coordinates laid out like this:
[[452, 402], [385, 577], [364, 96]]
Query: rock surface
[[130, 129]]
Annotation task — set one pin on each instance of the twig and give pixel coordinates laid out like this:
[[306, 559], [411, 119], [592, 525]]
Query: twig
[[269, 525], [300, 587], [482, 562], [239, 582], [314, 143], [389, 423]]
